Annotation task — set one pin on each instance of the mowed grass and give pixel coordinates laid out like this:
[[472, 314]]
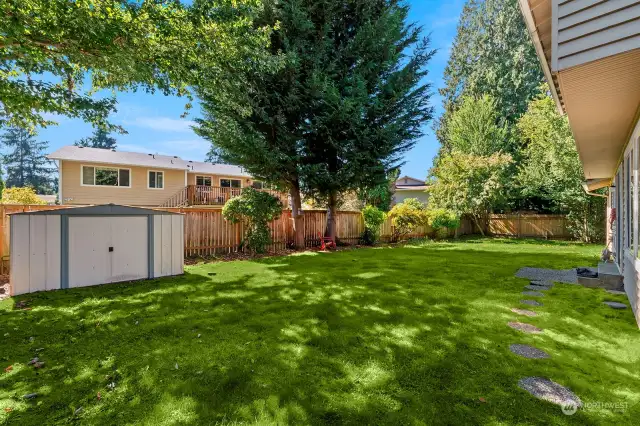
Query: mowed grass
[[405, 335]]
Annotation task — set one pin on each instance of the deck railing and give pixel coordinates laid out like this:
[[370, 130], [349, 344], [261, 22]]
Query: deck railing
[[201, 195]]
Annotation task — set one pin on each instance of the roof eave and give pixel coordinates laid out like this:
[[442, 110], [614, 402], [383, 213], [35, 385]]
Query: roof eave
[[546, 68]]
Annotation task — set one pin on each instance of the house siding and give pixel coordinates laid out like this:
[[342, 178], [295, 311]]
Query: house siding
[[421, 195], [628, 222], [138, 195], [588, 30]]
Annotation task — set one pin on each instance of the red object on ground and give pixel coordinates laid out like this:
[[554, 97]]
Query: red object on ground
[[9, 368], [326, 242]]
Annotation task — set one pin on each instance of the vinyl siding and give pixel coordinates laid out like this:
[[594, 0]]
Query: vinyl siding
[[400, 196], [138, 195], [588, 30]]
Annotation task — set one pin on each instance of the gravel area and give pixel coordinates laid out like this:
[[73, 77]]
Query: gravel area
[[549, 391], [568, 276], [528, 352], [616, 305], [524, 312], [4, 287], [533, 293], [531, 302], [525, 328]]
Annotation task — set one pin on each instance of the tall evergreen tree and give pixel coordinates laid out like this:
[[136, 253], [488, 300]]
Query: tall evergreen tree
[[369, 100], [492, 54], [100, 139], [26, 162], [340, 108]]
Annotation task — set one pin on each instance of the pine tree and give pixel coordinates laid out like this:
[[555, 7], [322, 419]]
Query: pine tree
[[26, 163], [100, 139], [492, 54], [341, 105]]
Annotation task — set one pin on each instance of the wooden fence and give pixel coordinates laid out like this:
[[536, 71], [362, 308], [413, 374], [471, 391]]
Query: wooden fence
[[207, 233]]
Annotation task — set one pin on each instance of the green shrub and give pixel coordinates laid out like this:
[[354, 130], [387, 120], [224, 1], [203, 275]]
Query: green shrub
[[406, 217], [443, 221], [255, 209], [373, 218]]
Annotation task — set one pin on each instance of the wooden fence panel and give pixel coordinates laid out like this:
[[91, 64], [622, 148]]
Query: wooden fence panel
[[207, 233]]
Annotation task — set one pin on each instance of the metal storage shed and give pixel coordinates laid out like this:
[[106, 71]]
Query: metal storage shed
[[84, 246]]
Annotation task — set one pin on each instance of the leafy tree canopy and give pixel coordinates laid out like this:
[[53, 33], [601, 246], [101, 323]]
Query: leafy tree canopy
[[466, 183], [49, 48], [551, 169], [16, 195], [475, 128], [492, 54]]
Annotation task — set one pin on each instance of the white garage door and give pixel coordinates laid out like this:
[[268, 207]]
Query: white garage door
[[107, 249]]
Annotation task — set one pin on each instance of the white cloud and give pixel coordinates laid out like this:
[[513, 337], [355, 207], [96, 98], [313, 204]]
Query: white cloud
[[163, 124]]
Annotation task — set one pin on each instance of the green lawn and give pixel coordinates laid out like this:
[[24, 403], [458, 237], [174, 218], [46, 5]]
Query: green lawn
[[411, 335]]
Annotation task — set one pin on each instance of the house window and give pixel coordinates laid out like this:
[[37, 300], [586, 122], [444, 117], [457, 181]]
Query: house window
[[106, 176], [203, 180], [156, 180], [230, 183]]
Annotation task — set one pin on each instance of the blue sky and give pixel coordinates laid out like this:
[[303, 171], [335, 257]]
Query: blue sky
[[154, 125]]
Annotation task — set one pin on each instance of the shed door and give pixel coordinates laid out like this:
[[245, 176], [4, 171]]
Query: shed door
[[90, 260]]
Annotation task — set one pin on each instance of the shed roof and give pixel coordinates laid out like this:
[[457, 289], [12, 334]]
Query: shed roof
[[100, 210]]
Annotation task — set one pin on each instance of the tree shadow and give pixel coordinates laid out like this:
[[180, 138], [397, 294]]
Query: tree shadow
[[389, 336]]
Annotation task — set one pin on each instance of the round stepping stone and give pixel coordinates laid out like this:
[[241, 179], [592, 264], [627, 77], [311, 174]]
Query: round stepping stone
[[528, 351], [533, 293], [531, 302], [550, 391], [615, 305], [537, 288], [542, 283], [525, 328], [524, 312], [617, 292]]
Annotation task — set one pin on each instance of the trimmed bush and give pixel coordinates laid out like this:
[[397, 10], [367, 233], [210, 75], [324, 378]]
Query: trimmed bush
[[255, 209], [373, 218], [406, 217]]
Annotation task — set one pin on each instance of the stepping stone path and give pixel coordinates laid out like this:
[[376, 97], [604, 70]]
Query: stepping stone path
[[552, 392], [531, 302], [525, 328], [537, 288], [528, 351], [524, 312], [533, 293], [616, 305], [617, 292]]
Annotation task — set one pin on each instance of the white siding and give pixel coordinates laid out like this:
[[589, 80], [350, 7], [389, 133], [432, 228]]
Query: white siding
[[168, 245], [588, 30], [20, 255], [53, 252], [37, 247], [35, 253]]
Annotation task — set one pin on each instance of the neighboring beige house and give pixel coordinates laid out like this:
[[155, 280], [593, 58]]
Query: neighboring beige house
[[101, 176], [408, 187], [590, 54]]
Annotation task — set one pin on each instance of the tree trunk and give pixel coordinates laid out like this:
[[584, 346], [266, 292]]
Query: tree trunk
[[298, 218], [475, 220], [331, 217]]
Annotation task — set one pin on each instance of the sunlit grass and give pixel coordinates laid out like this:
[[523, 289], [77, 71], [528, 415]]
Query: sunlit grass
[[405, 335]]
